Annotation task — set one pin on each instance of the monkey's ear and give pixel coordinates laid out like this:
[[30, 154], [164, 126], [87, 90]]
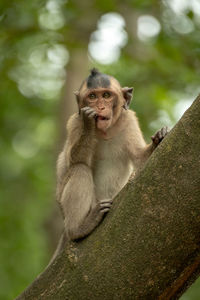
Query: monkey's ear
[[128, 94], [77, 94]]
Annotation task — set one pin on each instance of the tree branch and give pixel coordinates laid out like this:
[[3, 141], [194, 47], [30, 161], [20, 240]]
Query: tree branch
[[148, 246]]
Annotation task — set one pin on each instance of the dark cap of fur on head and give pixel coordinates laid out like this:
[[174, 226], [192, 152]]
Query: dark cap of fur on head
[[97, 79], [94, 72]]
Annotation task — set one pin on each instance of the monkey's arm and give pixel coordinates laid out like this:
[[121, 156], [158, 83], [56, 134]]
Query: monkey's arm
[[75, 190], [138, 150], [81, 210], [81, 139], [148, 149], [78, 148]]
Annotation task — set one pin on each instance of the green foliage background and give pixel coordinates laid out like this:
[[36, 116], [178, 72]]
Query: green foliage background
[[37, 42]]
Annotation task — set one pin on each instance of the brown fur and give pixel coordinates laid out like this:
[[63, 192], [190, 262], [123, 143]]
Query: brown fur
[[95, 164]]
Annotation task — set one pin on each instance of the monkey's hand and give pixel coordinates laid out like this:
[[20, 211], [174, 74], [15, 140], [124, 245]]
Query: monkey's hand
[[98, 210], [89, 116], [92, 220], [102, 207], [105, 205], [159, 135]]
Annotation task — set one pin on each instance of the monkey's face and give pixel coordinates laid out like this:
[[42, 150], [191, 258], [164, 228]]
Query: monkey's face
[[104, 94], [104, 102]]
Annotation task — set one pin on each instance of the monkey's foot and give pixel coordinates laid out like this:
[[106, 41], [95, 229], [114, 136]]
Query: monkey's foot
[[159, 135], [105, 205]]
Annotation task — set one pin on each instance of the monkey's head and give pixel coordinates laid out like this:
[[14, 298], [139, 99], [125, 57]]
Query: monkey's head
[[105, 95]]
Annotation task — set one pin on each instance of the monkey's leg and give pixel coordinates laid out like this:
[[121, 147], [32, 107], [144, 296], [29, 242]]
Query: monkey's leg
[[92, 220], [82, 212]]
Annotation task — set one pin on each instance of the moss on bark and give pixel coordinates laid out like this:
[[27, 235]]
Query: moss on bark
[[148, 246]]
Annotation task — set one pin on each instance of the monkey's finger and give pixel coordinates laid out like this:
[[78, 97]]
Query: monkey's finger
[[106, 201], [155, 138], [164, 131], [159, 134], [103, 211], [167, 129], [105, 205], [92, 114], [85, 108], [89, 110]]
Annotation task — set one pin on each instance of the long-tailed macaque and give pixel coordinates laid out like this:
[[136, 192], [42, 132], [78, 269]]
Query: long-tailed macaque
[[103, 147]]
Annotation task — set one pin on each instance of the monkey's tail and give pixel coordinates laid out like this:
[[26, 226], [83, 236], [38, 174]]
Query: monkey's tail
[[61, 245]]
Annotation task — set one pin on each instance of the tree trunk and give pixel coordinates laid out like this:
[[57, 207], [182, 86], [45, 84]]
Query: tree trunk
[[148, 246]]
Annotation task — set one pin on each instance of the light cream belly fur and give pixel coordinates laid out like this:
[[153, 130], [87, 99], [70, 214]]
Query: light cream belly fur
[[112, 169]]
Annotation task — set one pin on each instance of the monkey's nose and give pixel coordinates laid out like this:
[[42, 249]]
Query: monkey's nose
[[100, 106]]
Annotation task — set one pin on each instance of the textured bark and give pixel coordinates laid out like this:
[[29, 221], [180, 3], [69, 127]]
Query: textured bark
[[148, 246]]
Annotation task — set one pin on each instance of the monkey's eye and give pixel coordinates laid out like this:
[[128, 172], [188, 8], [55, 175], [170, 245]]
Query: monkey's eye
[[106, 95], [92, 96]]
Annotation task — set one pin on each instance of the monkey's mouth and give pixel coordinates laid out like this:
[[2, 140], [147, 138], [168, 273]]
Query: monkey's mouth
[[102, 118], [102, 122]]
